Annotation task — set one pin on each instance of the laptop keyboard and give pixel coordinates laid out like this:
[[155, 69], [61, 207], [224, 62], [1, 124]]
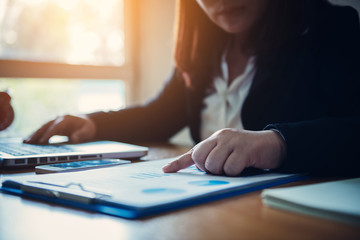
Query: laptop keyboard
[[21, 149]]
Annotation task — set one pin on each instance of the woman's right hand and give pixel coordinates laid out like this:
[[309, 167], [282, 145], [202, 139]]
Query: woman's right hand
[[77, 128]]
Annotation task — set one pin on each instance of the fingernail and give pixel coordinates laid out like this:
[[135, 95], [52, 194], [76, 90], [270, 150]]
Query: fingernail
[[166, 167]]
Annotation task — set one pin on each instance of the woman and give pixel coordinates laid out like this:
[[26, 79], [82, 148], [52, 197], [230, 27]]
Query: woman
[[278, 79]]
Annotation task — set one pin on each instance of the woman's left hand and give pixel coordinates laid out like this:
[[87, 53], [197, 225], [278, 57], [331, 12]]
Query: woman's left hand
[[230, 151]]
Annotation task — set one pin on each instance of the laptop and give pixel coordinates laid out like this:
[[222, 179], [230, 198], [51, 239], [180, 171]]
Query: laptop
[[15, 154]]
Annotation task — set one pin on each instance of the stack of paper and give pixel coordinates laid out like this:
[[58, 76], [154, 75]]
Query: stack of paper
[[337, 200]]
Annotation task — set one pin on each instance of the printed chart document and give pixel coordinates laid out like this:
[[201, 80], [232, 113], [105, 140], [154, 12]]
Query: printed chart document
[[137, 189], [336, 200]]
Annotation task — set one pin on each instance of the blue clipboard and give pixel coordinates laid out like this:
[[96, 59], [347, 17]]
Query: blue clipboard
[[77, 195]]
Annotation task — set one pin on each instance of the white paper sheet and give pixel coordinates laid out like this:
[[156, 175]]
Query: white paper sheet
[[145, 185]]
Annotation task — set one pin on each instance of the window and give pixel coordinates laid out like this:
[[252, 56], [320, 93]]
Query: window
[[62, 56], [35, 103], [70, 31]]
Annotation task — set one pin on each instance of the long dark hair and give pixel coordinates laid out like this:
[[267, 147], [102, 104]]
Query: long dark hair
[[200, 43], [198, 40]]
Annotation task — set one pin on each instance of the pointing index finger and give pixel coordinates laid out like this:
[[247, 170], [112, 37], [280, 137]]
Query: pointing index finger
[[182, 162], [34, 138]]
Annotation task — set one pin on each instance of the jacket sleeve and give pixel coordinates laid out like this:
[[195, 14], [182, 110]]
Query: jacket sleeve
[[157, 120], [330, 145], [327, 147]]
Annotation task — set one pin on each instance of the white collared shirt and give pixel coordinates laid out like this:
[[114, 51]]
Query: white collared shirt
[[223, 106]]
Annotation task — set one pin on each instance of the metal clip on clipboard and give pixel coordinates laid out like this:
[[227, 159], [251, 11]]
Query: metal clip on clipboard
[[64, 192]]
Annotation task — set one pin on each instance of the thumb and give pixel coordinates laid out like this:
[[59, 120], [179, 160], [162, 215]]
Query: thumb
[[75, 137], [182, 162], [80, 135]]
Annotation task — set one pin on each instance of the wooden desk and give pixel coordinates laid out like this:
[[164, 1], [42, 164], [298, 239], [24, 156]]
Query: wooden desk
[[241, 217]]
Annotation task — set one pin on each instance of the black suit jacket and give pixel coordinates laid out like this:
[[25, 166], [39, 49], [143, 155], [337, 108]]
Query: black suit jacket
[[309, 90]]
